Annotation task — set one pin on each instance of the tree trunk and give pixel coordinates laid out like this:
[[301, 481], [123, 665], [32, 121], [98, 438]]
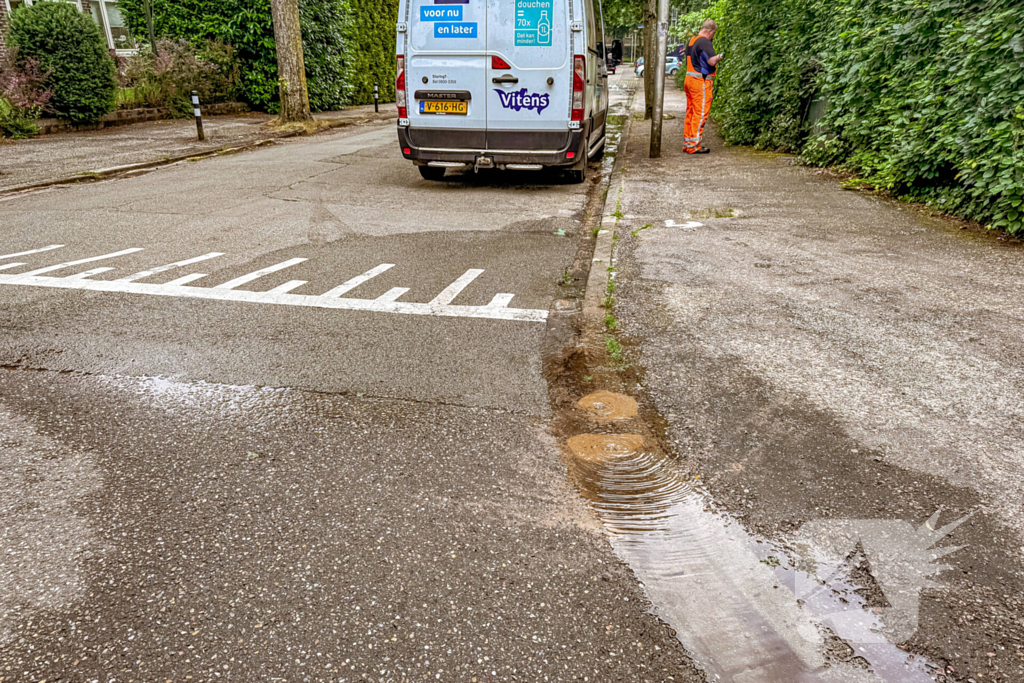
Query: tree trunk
[[650, 50], [291, 68]]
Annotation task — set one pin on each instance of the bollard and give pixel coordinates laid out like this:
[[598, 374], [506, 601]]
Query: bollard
[[199, 115], [376, 98]]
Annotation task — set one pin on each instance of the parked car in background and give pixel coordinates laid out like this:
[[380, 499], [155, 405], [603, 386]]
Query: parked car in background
[[672, 65]]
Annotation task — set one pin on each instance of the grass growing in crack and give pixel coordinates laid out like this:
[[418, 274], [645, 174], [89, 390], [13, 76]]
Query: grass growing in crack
[[566, 278], [724, 213], [614, 348], [636, 232], [594, 231], [618, 210], [588, 379], [610, 287], [608, 301], [610, 322]]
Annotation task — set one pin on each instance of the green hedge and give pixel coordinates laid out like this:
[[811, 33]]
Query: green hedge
[[372, 55], [924, 96], [345, 43], [69, 47]]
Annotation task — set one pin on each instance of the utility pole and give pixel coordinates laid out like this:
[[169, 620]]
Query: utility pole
[[291, 67], [149, 23], [659, 79], [650, 49]]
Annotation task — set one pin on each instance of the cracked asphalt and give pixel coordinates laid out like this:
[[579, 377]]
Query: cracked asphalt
[[219, 490]]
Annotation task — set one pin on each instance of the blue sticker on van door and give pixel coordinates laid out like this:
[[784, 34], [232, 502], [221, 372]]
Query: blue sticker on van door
[[464, 29], [451, 2], [431, 13], [533, 23]]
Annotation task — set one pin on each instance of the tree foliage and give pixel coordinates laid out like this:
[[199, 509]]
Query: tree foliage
[[923, 96], [330, 42], [68, 46]]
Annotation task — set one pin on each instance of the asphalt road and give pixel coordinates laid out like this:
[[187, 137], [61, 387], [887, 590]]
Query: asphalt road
[[245, 484]]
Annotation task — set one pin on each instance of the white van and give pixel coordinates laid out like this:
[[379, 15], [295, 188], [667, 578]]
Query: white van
[[510, 84]]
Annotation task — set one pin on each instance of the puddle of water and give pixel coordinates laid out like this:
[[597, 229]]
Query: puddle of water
[[605, 406], [746, 610]]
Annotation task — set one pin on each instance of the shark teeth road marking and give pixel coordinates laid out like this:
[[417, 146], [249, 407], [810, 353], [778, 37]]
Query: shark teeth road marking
[[358, 280], [497, 309], [31, 251], [68, 264], [169, 266], [239, 281]]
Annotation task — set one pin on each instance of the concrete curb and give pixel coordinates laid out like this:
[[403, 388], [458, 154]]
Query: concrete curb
[[113, 171], [594, 312]]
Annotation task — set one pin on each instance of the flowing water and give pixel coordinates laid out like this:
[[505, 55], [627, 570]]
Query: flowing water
[[740, 605]]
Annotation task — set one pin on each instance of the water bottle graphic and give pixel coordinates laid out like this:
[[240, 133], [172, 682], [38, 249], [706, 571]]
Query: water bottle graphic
[[544, 28]]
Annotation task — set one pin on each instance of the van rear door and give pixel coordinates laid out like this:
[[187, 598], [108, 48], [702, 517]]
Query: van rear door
[[529, 77], [445, 73]]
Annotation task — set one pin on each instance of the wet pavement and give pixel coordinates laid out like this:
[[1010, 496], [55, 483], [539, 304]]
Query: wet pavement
[[264, 420], [832, 387], [297, 414]]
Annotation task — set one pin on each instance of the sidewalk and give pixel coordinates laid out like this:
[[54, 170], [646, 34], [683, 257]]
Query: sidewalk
[[53, 158], [825, 354]]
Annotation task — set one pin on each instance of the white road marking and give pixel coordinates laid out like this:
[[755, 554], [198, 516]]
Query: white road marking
[[184, 280], [31, 251], [441, 305], [690, 225], [170, 266], [88, 273], [10, 265], [287, 287], [239, 281], [358, 280], [68, 264], [501, 301], [392, 294], [451, 291]]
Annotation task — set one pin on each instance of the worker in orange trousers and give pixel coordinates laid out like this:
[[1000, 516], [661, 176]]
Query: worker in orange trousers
[[701, 67]]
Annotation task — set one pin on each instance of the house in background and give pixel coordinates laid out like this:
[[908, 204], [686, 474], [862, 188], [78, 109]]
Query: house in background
[[105, 12]]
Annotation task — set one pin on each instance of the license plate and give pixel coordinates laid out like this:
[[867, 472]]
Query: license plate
[[450, 107]]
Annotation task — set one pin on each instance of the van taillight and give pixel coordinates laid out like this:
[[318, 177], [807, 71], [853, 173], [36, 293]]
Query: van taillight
[[579, 79], [499, 63], [403, 112]]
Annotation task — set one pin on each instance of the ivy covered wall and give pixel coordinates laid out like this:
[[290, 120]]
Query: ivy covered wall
[[923, 96]]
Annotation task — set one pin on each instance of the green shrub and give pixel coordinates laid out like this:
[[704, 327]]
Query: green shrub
[[15, 122], [168, 78], [924, 98], [68, 45], [371, 57]]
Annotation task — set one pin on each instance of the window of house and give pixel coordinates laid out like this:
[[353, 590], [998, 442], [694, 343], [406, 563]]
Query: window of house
[[118, 36], [105, 12], [15, 4]]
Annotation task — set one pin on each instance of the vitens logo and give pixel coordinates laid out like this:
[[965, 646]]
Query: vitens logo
[[521, 99]]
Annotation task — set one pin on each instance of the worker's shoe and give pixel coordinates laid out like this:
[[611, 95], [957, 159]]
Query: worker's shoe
[[703, 150]]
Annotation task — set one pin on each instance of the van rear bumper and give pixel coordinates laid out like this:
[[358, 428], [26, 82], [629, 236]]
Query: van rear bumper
[[521, 142]]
